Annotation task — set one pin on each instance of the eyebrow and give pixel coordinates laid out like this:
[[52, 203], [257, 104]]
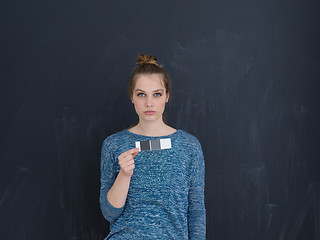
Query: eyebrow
[[153, 91]]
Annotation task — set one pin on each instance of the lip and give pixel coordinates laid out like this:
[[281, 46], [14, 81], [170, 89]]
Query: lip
[[149, 112]]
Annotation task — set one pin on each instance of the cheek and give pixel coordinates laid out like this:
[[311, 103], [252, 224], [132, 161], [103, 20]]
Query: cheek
[[138, 103], [162, 103]]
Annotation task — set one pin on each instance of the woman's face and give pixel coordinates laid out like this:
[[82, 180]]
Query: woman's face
[[149, 96]]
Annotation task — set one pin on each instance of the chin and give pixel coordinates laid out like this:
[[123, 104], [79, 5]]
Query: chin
[[150, 118]]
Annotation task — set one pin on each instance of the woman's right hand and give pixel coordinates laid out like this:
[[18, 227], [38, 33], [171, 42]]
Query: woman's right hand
[[126, 161]]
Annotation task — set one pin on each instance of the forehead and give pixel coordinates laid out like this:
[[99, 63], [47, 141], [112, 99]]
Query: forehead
[[149, 81]]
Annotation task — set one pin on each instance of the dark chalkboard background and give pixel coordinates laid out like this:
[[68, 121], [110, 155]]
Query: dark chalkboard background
[[246, 84]]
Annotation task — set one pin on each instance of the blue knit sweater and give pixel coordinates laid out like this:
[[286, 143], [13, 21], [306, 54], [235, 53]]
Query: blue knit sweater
[[166, 194]]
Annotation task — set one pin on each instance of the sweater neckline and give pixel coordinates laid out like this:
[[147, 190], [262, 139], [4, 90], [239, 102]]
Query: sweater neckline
[[164, 136]]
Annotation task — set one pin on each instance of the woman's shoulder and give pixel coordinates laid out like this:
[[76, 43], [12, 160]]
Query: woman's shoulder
[[115, 138], [187, 135], [188, 138]]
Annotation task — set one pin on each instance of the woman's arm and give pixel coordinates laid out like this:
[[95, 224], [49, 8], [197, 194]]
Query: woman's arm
[[196, 207], [112, 204], [117, 195]]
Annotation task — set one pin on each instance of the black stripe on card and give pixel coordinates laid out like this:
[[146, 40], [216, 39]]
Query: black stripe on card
[[144, 145]]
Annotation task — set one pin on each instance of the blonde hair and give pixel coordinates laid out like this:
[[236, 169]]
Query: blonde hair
[[146, 59]]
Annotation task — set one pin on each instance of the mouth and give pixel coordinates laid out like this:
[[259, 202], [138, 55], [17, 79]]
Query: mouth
[[149, 112]]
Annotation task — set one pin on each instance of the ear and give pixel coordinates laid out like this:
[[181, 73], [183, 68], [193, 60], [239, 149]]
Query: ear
[[168, 96]]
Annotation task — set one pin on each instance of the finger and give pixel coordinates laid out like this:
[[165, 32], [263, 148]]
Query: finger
[[131, 167], [128, 168], [128, 157], [130, 162], [124, 164], [133, 150], [129, 152], [125, 158], [135, 154]]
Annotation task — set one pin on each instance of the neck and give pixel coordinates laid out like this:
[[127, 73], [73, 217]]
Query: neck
[[151, 128]]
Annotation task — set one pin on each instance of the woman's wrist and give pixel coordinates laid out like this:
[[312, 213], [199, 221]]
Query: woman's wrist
[[124, 176], [118, 193]]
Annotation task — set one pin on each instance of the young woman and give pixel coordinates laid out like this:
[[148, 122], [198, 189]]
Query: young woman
[[157, 193]]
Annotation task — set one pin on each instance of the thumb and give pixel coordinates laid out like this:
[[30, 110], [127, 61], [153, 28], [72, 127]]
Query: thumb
[[135, 153]]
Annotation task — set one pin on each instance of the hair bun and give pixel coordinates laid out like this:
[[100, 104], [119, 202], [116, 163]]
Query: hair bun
[[146, 59]]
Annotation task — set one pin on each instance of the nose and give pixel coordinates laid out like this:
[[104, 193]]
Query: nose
[[149, 102]]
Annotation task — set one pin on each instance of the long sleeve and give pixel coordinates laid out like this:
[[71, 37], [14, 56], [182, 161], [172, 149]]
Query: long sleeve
[[196, 205], [108, 176]]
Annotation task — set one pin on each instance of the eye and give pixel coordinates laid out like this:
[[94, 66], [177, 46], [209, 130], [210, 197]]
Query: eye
[[158, 94], [140, 94]]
